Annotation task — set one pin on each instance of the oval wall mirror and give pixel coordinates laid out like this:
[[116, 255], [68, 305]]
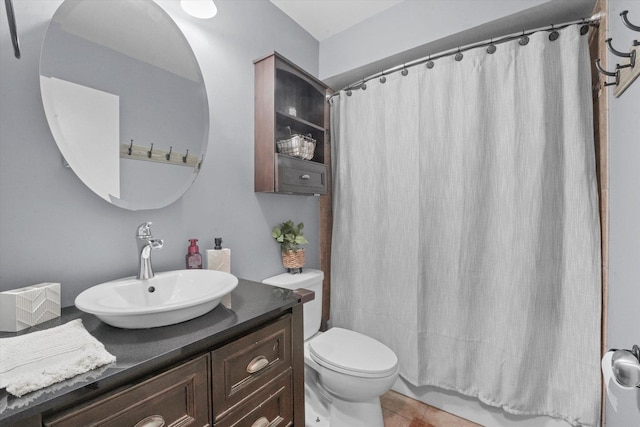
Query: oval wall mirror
[[125, 100]]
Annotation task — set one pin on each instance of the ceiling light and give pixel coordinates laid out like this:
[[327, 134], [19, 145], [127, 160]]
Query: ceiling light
[[203, 9]]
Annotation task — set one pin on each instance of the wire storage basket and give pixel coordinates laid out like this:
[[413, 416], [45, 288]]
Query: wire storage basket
[[301, 146]]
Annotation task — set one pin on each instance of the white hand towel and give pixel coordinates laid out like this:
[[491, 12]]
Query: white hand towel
[[33, 361]]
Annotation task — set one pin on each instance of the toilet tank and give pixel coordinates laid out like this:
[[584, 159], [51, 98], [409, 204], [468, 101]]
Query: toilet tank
[[309, 279]]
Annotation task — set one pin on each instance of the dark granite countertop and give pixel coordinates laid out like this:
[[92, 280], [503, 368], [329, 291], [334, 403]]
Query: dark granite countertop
[[141, 352]]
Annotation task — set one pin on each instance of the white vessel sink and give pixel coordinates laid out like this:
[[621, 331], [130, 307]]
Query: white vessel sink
[[168, 298]]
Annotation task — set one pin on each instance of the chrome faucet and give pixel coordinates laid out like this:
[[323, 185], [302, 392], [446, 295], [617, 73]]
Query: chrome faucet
[[146, 243]]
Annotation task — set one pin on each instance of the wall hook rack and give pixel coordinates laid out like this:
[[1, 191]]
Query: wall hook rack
[[627, 71], [153, 154]]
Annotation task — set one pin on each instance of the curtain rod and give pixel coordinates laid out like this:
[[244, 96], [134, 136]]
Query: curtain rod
[[523, 36]]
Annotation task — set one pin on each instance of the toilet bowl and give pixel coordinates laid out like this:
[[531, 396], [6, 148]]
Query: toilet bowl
[[346, 372]]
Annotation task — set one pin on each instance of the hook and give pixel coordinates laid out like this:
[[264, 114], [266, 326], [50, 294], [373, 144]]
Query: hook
[[130, 147], [184, 158], [383, 79], [631, 55], [626, 22], [11, 18], [404, 71], [459, 55], [150, 151], [363, 86], [168, 156], [615, 74]]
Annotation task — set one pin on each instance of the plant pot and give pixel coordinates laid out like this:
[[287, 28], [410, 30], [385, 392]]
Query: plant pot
[[293, 260]]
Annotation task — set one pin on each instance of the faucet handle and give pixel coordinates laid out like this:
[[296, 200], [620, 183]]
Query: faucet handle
[[144, 230]]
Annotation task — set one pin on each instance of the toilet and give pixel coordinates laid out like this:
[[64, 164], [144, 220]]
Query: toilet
[[346, 372]]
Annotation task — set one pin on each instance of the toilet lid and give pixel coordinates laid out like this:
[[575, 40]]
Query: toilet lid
[[352, 353]]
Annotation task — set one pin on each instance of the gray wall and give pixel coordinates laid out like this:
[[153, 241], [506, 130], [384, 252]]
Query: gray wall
[[53, 229], [624, 212], [408, 25]]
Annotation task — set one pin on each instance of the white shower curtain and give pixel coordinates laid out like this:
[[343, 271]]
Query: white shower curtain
[[466, 228]]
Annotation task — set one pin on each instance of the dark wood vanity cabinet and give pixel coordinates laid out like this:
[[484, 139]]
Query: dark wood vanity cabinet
[[255, 379], [289, 101]]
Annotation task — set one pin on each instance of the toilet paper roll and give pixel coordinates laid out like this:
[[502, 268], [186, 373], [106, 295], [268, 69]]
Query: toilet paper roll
[[614, 388]]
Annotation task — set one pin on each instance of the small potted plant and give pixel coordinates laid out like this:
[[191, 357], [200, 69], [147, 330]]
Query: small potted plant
[[290, 237]]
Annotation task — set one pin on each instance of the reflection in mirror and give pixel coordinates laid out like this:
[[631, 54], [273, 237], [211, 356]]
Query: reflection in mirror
[[125, 100]]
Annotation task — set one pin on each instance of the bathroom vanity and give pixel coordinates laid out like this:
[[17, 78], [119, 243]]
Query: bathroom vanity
[[234, 366]]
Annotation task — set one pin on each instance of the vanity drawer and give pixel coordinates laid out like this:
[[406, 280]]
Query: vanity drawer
[[300, 176], [180, 396], [271, 406], [247, 364]]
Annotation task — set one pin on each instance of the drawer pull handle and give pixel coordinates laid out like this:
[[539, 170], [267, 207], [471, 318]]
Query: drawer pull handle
[[257, 364], [261, 422], [151, 421], [305, 177]]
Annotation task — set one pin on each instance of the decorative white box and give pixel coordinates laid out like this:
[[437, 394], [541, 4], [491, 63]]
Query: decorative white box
[[29, 306]]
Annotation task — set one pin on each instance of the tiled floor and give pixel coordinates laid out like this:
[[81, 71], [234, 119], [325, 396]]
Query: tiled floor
[[402, 411]]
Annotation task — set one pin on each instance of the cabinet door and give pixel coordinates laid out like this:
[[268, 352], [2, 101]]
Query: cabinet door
[[178, 397]]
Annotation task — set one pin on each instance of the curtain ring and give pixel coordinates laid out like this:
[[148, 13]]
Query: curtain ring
[[459, 56], [383, 79], [404, 71], [524, 40], [430, 63], [584, 29], [553, 36], [491, 48], [349, 92]]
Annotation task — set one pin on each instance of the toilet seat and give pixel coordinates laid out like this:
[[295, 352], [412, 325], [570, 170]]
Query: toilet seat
[[352, 353]]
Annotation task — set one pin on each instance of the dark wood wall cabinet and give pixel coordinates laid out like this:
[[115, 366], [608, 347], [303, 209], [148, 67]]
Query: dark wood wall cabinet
[[289, 102], [252, 380]]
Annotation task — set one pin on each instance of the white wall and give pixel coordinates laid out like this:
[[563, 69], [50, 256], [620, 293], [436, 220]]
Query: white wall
[[53, 229], [624, 212]]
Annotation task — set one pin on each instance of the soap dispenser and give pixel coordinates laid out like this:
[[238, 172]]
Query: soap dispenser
[[219, 258], [194, 259]]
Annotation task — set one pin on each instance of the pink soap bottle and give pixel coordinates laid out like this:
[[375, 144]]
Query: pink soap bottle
[[194, 259]]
